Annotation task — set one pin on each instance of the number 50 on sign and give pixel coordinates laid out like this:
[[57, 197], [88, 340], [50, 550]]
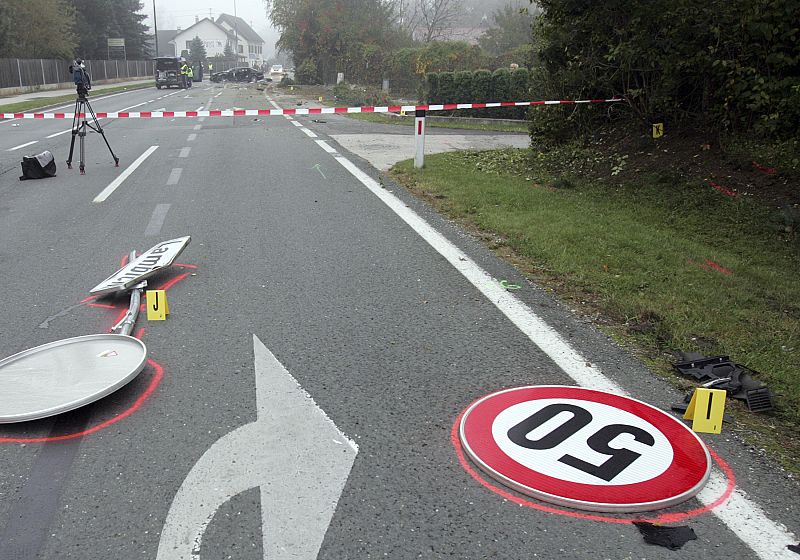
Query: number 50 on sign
[[583, 448]]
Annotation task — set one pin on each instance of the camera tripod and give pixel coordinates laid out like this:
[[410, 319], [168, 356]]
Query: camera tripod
[[79, 125]]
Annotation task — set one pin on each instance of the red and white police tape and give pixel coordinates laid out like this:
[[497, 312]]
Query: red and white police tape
[[306, 111]]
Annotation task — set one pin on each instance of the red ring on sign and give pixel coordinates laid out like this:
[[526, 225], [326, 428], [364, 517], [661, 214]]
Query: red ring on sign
[[673, 517], [689, 465]]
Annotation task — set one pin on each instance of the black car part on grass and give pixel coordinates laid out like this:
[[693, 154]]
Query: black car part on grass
[[719, 372]]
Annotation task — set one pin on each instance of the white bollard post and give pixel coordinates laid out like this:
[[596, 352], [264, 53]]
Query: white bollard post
[[419, 139]]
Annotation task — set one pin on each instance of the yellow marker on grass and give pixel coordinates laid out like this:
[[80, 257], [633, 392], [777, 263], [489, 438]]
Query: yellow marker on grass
[[658, 130], [706, 410], [157, 307]]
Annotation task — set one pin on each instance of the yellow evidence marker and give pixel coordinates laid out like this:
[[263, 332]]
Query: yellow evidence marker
[[706, 410], [658, 130], [157, 308]]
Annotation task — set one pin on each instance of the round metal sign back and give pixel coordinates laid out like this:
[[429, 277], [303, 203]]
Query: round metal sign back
[[585, 449], [67, 374]]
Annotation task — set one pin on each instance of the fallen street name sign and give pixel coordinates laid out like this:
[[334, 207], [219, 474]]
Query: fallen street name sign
[[585, 449], [147, 264]]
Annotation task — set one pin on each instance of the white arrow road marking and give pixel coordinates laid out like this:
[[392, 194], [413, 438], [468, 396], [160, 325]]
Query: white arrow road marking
[[293, 452]]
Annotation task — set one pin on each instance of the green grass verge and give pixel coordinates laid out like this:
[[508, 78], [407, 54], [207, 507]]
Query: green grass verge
[[409, 121], [642, 255], [23, 106]]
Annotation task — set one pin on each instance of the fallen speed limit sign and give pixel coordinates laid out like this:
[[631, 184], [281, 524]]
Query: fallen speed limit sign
[[585, 449]]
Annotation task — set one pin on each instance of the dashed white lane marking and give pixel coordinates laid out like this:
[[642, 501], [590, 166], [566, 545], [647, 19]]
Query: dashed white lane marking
[[124, 175], [22, 145], [325, 146], [8, 120], [308, 133], [197, 127], [766, 538], [220, 93], [174, 176], [59, 133], [200, 108], [300, 483], [184, 152], [156, 220], [132, 107], [191, 137], [297, 123]]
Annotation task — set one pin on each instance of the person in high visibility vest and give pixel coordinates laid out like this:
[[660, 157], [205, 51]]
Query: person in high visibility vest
[[184, 74], [190, 75]]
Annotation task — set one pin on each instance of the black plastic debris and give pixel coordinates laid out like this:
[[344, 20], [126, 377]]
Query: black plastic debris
[[794, 548], [38, 166], [719, 372], [672, 538]]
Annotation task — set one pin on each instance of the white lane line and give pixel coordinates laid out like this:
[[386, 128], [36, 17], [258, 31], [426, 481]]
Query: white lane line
[[124, 175], [184, 152], [297, 123], [197, 127], [192, 137], [308, 133], [156, 220], [220, 93], [59, 133], [288, 117], [201, 119], [161, 109], [132, 107], [300, 481], [22, 146], [766, 538], [325, 146], [174, 176], [200, 108], [8, 120]]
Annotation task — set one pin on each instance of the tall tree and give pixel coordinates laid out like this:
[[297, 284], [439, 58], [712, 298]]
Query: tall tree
[[37, 29], [197, 51], [512, 28], [99, 20], [437, 18], [330, 31]]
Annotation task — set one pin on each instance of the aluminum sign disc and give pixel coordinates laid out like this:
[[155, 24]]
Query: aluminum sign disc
[[585, 449], [67, 374]]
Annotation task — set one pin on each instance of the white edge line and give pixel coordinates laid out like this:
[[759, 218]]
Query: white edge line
[[745, 518], [308, 133], [325, 146], [124, 175]]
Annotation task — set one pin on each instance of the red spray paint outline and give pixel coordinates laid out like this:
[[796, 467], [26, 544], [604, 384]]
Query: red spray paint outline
[[659, 519], [151, 387]]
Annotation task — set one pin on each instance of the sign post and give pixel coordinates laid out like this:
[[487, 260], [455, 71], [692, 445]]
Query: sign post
[[585, 449], [419, 139]]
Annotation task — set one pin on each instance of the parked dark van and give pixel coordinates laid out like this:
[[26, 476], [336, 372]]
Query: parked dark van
[[168, 72]]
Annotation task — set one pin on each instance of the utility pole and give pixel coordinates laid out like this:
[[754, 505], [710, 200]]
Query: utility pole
[[155, 27], [236, 32]]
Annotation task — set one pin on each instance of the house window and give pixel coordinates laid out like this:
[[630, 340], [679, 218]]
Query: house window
[[188, 45], [241, 49]]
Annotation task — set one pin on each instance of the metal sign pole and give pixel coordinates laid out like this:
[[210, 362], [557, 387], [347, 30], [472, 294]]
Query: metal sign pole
[[419, 139]]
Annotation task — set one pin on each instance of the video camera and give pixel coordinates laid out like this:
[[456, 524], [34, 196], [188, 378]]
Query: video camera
[[81, 78]]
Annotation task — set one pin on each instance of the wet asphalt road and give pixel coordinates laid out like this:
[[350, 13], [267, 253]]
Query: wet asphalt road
[[390, 341]]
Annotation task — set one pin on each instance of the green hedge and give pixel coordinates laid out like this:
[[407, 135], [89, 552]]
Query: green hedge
[[480, 86]]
